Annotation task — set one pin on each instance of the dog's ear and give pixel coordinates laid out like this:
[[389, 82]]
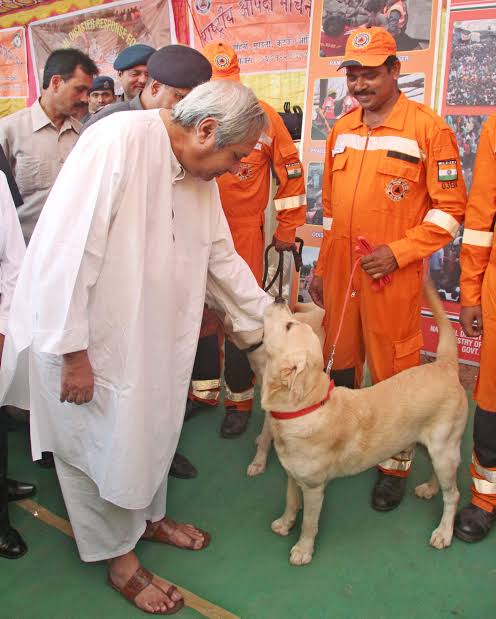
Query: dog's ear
[[292, 365]]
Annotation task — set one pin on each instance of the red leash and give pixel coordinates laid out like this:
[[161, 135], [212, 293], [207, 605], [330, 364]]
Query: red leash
[[362, 248]]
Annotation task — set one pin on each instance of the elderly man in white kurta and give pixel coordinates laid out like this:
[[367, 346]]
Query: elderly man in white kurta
[[109, 305]]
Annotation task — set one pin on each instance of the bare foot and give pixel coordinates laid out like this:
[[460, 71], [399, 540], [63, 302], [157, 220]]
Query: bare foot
[[170, 532], [153, 598]]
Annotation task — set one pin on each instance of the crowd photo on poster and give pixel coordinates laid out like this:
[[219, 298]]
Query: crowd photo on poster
[[472, 64]]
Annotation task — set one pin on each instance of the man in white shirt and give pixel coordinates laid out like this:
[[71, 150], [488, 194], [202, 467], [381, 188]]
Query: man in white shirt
[[12, 250], [109, 305], [38, 139]]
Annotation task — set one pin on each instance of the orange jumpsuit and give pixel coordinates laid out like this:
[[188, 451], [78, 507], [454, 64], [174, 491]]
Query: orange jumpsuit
[[399, 184], [478, 287], [244, 197]]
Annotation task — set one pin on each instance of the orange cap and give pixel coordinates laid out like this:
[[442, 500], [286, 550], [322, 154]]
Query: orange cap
[[224, 61], [368, 47]]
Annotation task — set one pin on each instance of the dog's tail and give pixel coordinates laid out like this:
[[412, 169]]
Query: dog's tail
[[447, 348]]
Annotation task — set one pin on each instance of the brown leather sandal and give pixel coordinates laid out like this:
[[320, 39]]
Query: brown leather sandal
[[163, 537], [139, 581]]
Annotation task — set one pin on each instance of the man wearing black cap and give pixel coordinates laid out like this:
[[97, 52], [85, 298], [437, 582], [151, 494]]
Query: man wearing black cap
[[172, 72], [101, 94], [130, 65]]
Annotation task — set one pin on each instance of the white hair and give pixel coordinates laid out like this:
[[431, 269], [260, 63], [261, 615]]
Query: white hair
[[235, 108]]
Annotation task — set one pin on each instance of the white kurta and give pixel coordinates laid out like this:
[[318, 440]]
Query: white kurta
[[12, 250], [119, 264]]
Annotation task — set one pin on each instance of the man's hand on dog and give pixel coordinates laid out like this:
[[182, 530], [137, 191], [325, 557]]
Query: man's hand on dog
[[380, 262], [77, 382], [316, 291], [471, 320]]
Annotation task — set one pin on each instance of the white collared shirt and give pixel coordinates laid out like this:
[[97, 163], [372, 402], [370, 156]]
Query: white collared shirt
[[36, 150]]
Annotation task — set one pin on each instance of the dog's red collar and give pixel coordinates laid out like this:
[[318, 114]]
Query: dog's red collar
[[304, 411]]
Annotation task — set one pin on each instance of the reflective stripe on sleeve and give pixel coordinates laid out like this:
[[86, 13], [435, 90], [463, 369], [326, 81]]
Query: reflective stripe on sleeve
[[478, 237], [265, 139], [283, 204], [327, 223], [443, 220]]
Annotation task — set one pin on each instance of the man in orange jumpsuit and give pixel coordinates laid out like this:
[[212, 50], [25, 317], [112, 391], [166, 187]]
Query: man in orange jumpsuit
[[244, 198], [392, 175], [478, 317]]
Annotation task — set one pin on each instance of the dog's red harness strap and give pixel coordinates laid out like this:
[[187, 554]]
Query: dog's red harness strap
[[304, 411]]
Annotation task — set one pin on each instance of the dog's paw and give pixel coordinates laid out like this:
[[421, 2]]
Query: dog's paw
[[300, 555], [280, 527], [441, 538], [256, 468], [426, 491]]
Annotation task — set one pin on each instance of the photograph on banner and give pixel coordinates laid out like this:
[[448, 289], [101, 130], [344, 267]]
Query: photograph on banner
[[469, 84], [13, 64], [102, 32], [472, 64], [331, 100], [409, 21], [268, 35], [309, 257], [315, 172]]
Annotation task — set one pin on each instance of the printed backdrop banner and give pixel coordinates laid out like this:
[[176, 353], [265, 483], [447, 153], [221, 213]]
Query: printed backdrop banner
[[102, 32], [13, 64], [7, 6], [468, 96], [268, 35]]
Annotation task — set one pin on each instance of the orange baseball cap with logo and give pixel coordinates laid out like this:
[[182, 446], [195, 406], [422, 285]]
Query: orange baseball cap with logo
[[224, 61], [368, 47]]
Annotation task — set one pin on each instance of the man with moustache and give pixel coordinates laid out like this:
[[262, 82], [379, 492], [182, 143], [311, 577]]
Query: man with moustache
[[131, 68], [37, 140], [392, 175]]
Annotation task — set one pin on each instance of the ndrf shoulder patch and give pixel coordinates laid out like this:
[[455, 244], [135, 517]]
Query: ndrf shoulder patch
[[447, 170]]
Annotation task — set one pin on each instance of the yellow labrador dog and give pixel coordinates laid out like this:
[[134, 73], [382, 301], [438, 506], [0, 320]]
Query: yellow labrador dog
[[312, 315], [353, 430]]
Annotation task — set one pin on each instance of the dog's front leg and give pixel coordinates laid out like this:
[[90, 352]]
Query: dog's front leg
[[285, 523], [263, 442], [302, 551]]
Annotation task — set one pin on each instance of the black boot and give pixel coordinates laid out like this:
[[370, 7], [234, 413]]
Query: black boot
[[234, 424], [12, 546], [388, 492], [47, 461], [182, 468], [18, 490], [473, 523]]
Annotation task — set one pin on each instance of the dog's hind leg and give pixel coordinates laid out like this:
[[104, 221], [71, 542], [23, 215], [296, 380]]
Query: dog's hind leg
[[428, 489], [302, 551], [445, 460], [263, 442], [285, 523]]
